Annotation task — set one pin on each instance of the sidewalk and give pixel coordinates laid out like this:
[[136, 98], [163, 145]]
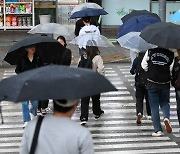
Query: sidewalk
[[7, 38]]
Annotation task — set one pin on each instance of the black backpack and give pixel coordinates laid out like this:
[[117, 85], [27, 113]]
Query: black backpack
[[85, 62]]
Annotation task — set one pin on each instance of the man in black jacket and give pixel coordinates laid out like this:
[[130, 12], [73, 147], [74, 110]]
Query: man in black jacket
[[158, 63]]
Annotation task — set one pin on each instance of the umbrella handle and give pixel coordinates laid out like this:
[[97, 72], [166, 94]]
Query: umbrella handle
[[2, 121]]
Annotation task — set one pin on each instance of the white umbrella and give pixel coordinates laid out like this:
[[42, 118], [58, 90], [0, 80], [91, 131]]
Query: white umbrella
[[134, 42], [85, 6], [91, 39], [50, 28]]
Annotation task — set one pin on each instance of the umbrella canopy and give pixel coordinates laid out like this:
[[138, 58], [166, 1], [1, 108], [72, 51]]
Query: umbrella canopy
[[138, 13], [175, 17], [91, 39], [48, 49], [89, 12], [136, 24], [50, 28], [83, 6], [162, 34], [134, 42], [53, 82]]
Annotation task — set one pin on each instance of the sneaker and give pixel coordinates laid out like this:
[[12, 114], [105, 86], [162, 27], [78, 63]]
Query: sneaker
[[25, 124], [167, 125], [138, 119], [83, 121], [98, 116], [157, 134], [43, 111], [31, 116], [148, 117]]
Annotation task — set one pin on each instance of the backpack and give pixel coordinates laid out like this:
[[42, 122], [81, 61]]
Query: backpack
[[141, 75], [85, 63]]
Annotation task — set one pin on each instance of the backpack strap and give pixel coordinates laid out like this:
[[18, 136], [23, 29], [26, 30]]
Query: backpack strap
[[36, 134]]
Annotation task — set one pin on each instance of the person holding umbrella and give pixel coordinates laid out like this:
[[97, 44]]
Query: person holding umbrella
[[91, 59], [140, 84], [66, 58], [29, 61], [88, 28], [158, 63]]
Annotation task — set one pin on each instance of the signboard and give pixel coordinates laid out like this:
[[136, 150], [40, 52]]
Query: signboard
[[118, 8]]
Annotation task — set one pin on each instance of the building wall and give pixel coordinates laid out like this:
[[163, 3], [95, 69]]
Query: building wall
[[118, 8]]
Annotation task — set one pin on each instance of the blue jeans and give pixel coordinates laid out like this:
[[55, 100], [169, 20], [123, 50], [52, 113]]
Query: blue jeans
[[159, 97], [26, 110]]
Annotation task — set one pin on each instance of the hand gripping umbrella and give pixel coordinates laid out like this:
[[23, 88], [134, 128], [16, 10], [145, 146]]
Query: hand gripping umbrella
[[53, 82], [162, 34], [48, 49]]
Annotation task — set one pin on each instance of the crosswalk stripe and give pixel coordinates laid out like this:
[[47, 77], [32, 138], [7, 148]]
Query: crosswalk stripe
[[115, 132]]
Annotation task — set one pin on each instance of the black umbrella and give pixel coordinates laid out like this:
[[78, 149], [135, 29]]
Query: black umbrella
[[137, 13], [53, 82], [48, 48], [162, 34]]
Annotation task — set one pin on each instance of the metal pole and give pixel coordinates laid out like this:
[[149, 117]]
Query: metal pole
[[162, 10]]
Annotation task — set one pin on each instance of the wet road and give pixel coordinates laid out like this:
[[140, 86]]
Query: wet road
[[115, 132]]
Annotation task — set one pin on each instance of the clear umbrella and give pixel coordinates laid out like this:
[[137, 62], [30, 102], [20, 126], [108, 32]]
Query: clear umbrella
[[85, 6], [91, 40], [134, 42], [50, 28]]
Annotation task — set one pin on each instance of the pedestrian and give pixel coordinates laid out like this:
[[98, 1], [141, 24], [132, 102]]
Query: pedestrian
[[158, 63], [58, 133], [91, 59], [175, 78], [88, 28], [66, 58], [140, 84], [29, 61], [79, 24]]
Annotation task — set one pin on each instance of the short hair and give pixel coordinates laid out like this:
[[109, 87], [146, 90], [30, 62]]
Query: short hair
[[62, 109], [62, 38], [86, 19]]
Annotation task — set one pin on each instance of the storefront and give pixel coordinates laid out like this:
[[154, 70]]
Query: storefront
[[25, 14]]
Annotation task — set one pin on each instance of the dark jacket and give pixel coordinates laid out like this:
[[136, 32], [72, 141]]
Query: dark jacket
[[159, 63], [25, 64], [175, 71], [140, 74], [66, 58]]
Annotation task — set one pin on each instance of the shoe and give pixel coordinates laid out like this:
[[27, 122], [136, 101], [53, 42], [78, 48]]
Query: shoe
[[83, 121], [25, 124], [167, 125], [138, 119], [157, 134], [98, 116], [32, 116], [43, 111], [148, 117]]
